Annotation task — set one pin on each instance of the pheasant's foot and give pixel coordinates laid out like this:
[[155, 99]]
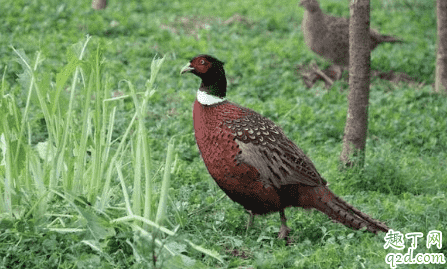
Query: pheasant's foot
[[284, 230]]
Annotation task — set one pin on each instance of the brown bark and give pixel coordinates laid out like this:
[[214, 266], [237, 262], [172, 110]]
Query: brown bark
[[99, 4], [354, 140], [441, 57]]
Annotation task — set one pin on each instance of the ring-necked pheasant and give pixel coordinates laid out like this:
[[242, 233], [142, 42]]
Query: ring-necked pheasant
[[253, 161], [328, 36]]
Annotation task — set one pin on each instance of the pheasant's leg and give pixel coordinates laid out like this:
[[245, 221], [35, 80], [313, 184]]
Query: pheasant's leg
[[284, 230], [250, 219]]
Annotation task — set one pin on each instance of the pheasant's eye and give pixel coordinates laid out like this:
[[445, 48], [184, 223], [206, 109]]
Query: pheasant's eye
[[202, 62]]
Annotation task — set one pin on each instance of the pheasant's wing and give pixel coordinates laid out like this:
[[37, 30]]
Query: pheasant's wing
[[264, 146]]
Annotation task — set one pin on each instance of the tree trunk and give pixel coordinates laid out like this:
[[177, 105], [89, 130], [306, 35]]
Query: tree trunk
[[441, 58], [354, 140], [99, 4]]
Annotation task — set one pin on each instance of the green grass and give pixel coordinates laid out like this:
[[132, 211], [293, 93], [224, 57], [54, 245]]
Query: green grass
[[71, 185]]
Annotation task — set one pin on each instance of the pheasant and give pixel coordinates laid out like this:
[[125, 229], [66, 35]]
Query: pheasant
[[253, 161], [328, 36]]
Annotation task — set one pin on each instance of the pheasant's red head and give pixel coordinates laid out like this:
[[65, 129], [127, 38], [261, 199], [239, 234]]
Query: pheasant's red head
[[203, 64], [212, 73]]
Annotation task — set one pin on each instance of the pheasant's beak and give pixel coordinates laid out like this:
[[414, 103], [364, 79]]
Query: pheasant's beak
[[186, 68]]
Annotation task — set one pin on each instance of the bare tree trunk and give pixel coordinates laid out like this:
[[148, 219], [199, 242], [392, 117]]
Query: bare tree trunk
[[441, 58], [99, 4], [354, 140]]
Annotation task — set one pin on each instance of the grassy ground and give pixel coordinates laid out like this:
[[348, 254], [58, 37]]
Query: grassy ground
[[64, 211]]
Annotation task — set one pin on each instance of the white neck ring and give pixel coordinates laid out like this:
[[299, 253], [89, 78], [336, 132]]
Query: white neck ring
[[208, 99]]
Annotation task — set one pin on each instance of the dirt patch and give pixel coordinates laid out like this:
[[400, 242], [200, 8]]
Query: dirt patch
[[311, 74], [238, 253]]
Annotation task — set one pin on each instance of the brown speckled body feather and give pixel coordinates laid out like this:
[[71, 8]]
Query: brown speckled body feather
[[253, 161]]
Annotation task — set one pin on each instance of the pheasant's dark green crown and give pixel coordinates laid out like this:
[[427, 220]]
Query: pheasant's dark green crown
[[212, 73]]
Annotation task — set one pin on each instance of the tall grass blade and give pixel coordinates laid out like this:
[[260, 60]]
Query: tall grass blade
[[162, 205]]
